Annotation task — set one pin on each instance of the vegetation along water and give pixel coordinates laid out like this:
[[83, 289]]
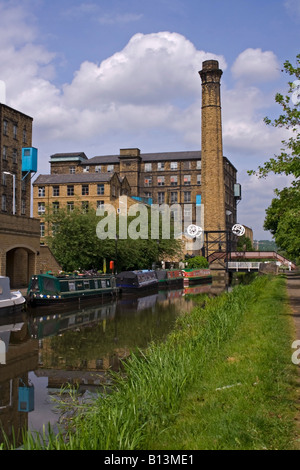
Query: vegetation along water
[[223, 379]]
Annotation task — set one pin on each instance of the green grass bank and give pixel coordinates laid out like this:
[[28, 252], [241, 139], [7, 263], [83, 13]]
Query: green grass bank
[[223, 379]]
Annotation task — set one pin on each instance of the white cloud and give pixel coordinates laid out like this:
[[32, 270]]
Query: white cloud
[[256, 66]]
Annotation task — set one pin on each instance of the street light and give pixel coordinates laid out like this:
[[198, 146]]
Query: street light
[[14, 189]]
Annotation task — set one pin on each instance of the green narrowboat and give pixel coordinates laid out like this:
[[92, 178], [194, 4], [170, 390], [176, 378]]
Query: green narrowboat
[[47, 289]]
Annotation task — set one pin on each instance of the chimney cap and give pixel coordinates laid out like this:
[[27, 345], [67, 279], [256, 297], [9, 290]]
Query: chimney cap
[[210, 65]]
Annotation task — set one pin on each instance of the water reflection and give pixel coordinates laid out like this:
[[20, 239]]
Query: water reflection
[[46, 349]]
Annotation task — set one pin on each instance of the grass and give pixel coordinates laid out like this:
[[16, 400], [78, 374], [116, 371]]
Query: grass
[[168, 398]]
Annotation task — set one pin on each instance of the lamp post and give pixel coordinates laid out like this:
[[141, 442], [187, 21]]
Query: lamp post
[[14, 189]]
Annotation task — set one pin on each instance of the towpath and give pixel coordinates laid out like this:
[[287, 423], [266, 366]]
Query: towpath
[[293, 290]]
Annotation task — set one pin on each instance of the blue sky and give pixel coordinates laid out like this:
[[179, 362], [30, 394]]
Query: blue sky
[[98, 76]]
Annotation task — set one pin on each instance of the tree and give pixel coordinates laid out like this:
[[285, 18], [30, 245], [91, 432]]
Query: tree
[[283, 215], [244, 244]]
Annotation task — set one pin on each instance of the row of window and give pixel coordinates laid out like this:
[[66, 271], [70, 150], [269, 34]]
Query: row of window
[[69, 206], [5, 154], [15, 130], [4, 206], [162, 199], [160, 166], [161, 180], [70, 190]]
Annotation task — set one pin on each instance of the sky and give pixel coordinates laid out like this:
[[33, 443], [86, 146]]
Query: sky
[[101, 75]]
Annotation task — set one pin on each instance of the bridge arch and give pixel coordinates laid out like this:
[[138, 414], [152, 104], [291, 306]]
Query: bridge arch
[[21, 262]]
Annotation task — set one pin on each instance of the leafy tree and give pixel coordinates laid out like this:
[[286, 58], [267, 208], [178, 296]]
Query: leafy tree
[[283, 215], [76, 246], [244, 244], [197, 262]]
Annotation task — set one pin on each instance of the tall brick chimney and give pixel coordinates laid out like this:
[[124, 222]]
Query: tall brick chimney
[[212, 179]]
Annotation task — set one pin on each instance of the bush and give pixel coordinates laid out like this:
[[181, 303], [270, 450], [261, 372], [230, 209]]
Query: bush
[[197, 262]]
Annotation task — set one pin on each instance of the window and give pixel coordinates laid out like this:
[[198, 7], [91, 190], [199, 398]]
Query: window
[[174, 165], [70, 190], [160, 180], [86, 169], [98, 169], [5, 127], [186, 165], [4, 179], [174, 197], [148, 181], [113, 190], [55, 228], [4, 153], [23, 206], [198, 166], [187, 212], [148, 166], [100, 204], [85, 190], [173, 180], [55, 190], [160, 166], [147, 194], [41, 208], [70, 206], [15, 156], [55, 207], [187, 196], [160, 198], [42, 229], [110, 168], [198, 179], [24, 136], [41, 191], [3, 202], [85, 206], [187, 180], [100, 189], [15, 131], [72, 170]]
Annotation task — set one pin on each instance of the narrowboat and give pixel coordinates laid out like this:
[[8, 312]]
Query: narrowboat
[[136, 281], [47, 289], [11, 302], [169, 277], [195, 276]]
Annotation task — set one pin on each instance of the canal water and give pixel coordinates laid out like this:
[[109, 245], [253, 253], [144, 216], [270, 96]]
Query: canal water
[[46, 349]]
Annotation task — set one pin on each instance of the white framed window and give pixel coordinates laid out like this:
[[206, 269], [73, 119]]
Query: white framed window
[[100, 189], [148, 181], [100, 204], [70, 206], [187, 180], [199, 180], [110, 168], [98, 169], [41, 208], [15, 156], [4, 152], [160, 180], [85, 206], [72, 170], [174, 197], [174, 165], [187, 196], [70, 190], [160, 197], [55, 191], [85, 190], [86, 169], [148, 166], [41, 191], [198, 166], [42, 229], [15, 131], [173, 180], [160, 166], [5, 127]]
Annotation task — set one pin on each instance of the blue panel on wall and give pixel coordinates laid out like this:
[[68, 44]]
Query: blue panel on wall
[[29, 159], [198, 200], [26, 399]]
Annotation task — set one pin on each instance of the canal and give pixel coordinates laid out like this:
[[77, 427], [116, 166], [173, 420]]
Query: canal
[[46, 349]]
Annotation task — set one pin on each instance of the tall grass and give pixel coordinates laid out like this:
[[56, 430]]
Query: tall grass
[[147, 398]]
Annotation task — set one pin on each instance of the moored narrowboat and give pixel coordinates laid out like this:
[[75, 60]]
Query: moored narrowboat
[[47, 289], [11, 302], [169, 277], [195, 276], [135, 281]]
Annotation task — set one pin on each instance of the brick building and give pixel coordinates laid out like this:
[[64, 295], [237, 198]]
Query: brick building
[[188, 178], [19, 234]]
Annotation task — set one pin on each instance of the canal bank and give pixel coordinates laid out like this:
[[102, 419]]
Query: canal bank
[[222, 379]]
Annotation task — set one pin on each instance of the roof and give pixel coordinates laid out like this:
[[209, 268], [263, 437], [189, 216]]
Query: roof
[[75, 178], [68, 156], [150, 157]]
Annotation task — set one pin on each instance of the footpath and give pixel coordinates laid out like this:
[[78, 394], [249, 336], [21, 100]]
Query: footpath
[[293, 290]]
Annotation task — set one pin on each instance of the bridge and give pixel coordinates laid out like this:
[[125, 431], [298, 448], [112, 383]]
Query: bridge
[[243, 266], [251, 255]]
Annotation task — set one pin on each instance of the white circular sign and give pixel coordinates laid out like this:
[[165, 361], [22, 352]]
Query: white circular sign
[[194, 230], [238, 230]]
